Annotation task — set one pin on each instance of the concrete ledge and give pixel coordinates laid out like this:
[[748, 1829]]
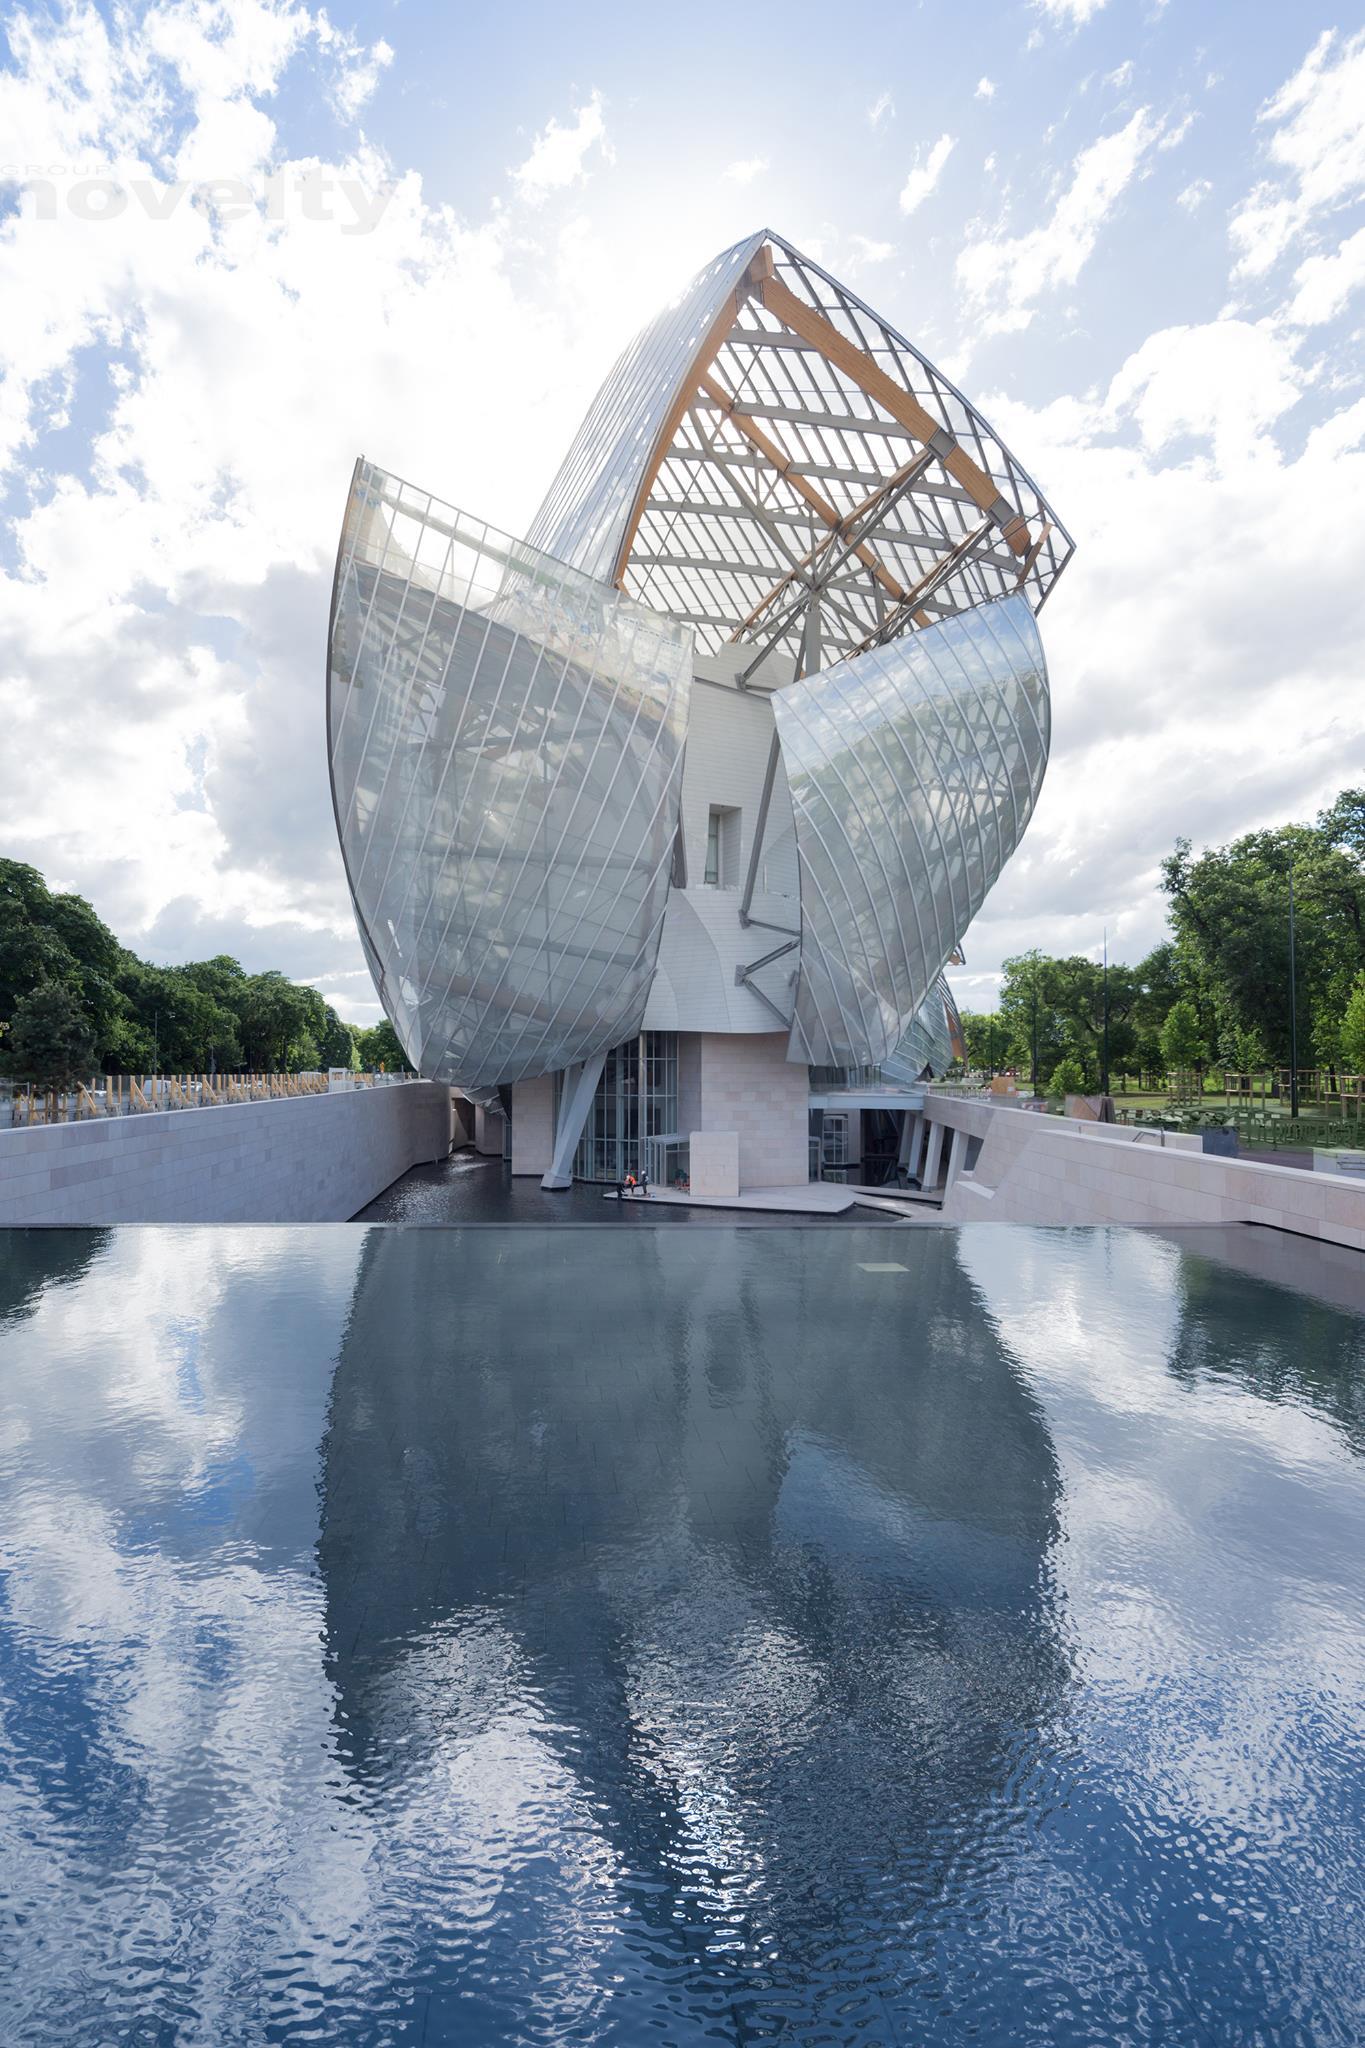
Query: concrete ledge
[[298, 1159]]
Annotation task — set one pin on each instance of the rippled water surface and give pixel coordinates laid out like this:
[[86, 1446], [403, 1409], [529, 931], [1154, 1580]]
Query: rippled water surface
[[694, 1636]]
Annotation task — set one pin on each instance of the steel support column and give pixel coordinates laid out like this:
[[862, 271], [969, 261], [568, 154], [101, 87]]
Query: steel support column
[[575, 1100]]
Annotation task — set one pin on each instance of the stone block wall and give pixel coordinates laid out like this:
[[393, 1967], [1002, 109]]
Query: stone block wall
[[1046, 1169], [533, 1125], [301, 1159], [750, 1087], [714, 1163]]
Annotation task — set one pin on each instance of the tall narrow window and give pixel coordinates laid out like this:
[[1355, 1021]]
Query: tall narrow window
[[722, 847]]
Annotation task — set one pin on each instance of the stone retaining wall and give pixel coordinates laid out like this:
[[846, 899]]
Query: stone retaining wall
[[302, 1159], [1045, 1169]]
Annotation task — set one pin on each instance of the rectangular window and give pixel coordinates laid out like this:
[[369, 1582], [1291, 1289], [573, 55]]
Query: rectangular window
[[722, 847]]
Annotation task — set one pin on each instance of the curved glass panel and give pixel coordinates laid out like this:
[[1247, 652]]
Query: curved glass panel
[[505, 741], [929, 1040], [583, 519], [914, 769]]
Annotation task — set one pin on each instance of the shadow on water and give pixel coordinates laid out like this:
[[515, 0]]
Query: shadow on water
[[743, 1552]]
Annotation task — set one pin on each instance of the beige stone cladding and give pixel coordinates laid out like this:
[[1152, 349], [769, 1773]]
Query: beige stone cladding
[[715, 1163], [749, 1086], [533, 1125], [1044, 1169], [302, 1159]]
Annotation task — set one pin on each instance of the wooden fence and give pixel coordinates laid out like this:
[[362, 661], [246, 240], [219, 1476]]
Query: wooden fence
[[105, 1095]]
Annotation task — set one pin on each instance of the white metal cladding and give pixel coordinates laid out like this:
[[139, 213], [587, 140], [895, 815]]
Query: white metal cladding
[[506, 740], [781, 467], [913, 772]]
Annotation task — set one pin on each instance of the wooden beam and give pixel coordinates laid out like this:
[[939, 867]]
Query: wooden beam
[[836, 532], [813, 328], [758, 273], [804, 489]]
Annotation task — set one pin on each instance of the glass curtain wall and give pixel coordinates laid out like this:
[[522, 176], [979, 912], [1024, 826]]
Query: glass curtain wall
[[636, 1100]]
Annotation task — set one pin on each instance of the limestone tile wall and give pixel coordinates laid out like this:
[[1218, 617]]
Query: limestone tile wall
[[1037, 1169], [750, 1087], [304, 1159], [490, 1132], [714, 1166], [533, 1125]]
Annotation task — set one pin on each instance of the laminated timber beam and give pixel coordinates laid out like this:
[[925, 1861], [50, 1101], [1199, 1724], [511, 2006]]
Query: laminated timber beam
[[819, 334], [840, 530], [719, 397]]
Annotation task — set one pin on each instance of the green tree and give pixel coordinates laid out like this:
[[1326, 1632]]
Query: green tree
[[379, 1047], [337, 1043], [1352, 1045], [984, 1036], [1182, 1042], [47, 938], [1248, 1051], [1069, 999], [1067, 1078], [51, 1040], [273, 1013], [176, 1025], [1230, 911]]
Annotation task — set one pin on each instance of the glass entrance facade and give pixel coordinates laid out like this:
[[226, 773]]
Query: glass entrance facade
[[636, 1101]]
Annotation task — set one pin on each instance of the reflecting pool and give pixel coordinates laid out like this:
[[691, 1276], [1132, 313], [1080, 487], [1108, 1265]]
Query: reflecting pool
[[527, 1634]]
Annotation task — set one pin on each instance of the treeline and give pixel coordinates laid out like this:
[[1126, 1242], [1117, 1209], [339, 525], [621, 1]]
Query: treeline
[[1216, 994], [74, 1002]]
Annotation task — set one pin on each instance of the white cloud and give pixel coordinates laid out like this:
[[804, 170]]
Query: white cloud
[[864, 251], [985, 89], [1170, 644], [1325, 283], [358, 74], [1317, 148], [171, 583], [559, 154], [925, 173], [1121, 75], [1194, 195], [1004, 276], [1069, 13], [746, 170], [882, 108]]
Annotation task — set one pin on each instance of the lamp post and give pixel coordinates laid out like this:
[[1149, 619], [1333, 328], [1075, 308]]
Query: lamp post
[[1033, 1056], [1293, 1009], [1104, 1051]]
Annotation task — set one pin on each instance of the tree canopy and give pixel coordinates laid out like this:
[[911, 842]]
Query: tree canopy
[[1218, 989], [70, 992]]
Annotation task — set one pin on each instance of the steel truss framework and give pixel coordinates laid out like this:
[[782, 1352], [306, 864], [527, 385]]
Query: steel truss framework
[[772, 462]]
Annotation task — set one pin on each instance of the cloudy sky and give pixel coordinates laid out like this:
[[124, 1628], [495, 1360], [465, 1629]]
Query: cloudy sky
[[241, 243]]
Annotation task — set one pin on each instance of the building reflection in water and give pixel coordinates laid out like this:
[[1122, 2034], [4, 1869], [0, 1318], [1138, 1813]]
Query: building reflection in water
[[688, 1611]]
